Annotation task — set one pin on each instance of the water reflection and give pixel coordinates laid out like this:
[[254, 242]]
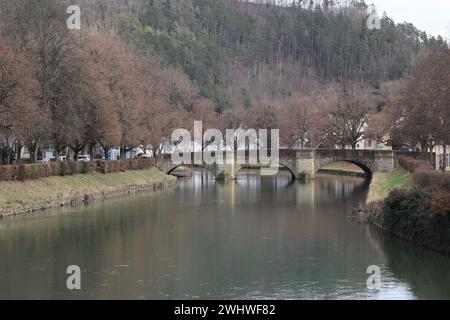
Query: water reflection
[[427, 272], [253, 238]]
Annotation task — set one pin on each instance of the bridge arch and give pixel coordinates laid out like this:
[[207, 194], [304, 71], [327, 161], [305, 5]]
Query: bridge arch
[[290, 167], [283, 164], [208, 168], [365, 167]]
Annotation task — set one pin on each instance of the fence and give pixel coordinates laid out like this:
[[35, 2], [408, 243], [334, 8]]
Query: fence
[[37, 171]]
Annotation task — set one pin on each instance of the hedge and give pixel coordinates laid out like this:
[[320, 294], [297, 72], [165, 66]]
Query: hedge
[[37, 171], [437, 181], [414, 165], [424, 175], [420, 217]]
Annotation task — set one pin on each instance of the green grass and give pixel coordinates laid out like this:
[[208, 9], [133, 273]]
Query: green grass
[[16, 194], [383, 183]]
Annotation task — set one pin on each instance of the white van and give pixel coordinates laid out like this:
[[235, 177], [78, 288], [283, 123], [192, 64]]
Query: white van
[[84, 158]]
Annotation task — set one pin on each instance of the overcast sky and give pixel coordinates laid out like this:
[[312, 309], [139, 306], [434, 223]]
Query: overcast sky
[[432, 16]]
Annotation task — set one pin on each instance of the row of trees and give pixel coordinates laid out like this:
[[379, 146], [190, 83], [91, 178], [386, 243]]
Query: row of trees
[[78, 91], [419, 113]]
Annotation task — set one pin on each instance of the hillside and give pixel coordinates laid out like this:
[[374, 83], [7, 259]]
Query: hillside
[[240, 52]]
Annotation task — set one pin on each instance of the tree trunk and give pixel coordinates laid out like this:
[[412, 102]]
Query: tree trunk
[[34, 155], [431, 154], [33, 148], [123, 153], [105, 152], [18, 152], [92, 151]]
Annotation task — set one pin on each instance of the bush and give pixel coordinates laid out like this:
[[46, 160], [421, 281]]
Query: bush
[[85, 168], [413, 165], [55, 168], [5, 173], [102, 167], [437, 181], [420, 216], [440, 203], [73, 168], [38, 171], [23, 172], [63, 169]]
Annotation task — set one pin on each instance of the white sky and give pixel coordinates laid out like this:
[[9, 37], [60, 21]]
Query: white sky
[[432, 16]]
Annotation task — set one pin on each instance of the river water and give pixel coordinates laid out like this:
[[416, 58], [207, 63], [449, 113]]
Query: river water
[[256, 238]]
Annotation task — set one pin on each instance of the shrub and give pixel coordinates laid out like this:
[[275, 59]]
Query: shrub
[[113, 166], [63, 169], [5, 173], [85, 167], [102, 167], [440, 202], [432, 179], [23, 173], [37, 171], [414, 165], [421, 216], [73, 168], [55, 168]]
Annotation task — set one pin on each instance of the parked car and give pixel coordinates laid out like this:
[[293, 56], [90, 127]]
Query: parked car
[[143, 156], [84, 158], [60, 158]]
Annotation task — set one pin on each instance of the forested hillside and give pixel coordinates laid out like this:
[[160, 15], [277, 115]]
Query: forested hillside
[[239, 52]]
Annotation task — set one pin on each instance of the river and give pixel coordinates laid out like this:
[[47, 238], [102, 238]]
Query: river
[[256, 238]]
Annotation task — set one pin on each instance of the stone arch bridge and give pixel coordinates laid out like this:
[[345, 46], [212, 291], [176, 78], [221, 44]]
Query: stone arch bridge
[[303, 164]]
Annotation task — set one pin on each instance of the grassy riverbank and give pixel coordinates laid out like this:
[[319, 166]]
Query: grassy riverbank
[[414, 207], [17, 197], [383, 183]]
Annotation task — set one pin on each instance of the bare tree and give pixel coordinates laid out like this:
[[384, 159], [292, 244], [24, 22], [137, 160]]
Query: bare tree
[[347, 123]]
